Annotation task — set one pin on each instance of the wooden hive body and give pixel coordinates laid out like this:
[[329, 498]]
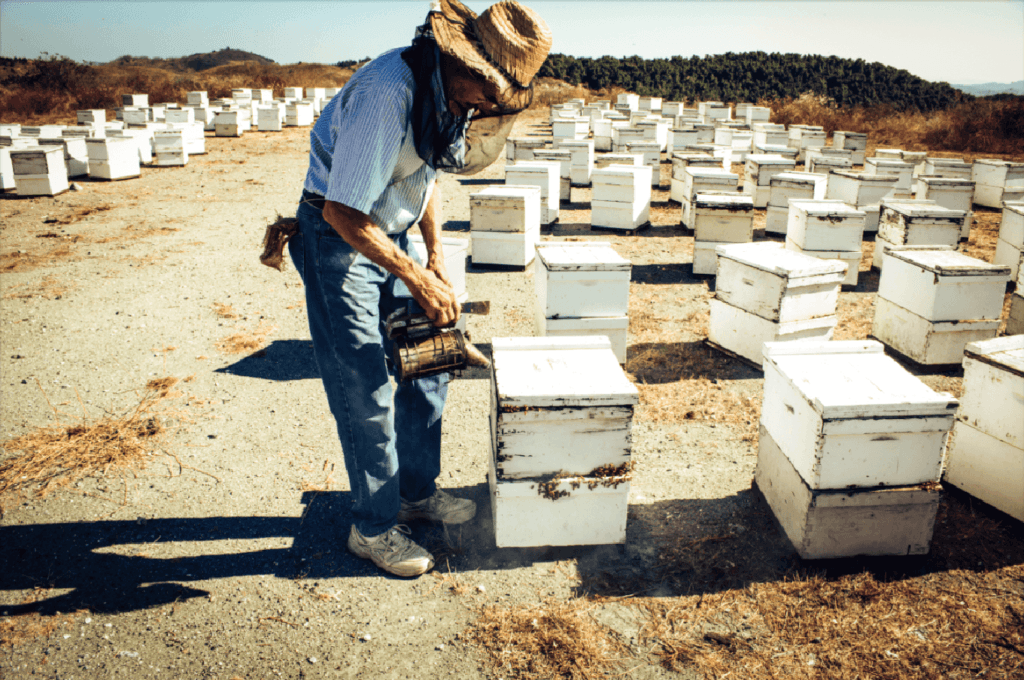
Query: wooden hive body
[[580, 280], [859, 188], [581, 162], [954, 168], [892, 166], [721, 217], [38, 171], [825, 225], [847, 416], [543, 174], [744, 333], [113, 158], [651, 152], [916, 223]]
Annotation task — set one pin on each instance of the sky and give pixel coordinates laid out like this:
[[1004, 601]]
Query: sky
[[957, 42]]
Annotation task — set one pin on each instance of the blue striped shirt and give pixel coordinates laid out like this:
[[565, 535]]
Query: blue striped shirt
[[362, 153]]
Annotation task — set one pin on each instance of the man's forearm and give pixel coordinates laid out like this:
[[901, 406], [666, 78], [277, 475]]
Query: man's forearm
[[430, 227]]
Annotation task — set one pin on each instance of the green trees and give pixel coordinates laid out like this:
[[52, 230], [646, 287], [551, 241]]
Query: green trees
[[752, 76]]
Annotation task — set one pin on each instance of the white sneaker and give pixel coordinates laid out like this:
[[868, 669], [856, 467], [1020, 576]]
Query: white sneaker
[[441, 507], [392, 551]]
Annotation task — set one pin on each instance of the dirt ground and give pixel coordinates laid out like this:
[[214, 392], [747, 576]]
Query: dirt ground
[[223, 555]]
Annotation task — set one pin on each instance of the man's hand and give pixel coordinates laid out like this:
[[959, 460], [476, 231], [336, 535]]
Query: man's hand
[[435, 295]]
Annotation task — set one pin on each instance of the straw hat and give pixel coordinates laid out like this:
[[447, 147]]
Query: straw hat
[[507, 44]]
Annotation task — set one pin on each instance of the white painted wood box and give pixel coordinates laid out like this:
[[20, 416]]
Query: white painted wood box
[[705, 257], [721, 217], [786, 186], [293, 93], [522, 148], [91, 116], [987, 468], [679, 138], [543, 174], [834, 523], [943, 285], [825, 225], [703, 180], [604, 160], [581, 162], [949, 192], [135, 100], [855, 142], [76, 155], [564, 158], [510, 208], [622, 184], [507, 249], [1011, 228], [777, 284], [143, 139], [912, 223], [269, 119], [851, 258], [744, 333], [930, 343], [758, 172], [580, 279], [623, 135], [826, 164], [773, 136], [113, 158], [891, 166], [848, 416], [169, 148], [620, 216], [651, 153], [39, 171], [180, 116], [198, 98], [570, 128], [756, 114], [997, 181], [615, 328], [953, 168], [298, 115], [859, 188]]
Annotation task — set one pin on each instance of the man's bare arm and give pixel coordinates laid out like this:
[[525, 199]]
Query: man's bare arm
[[432, 293], [430, 228]]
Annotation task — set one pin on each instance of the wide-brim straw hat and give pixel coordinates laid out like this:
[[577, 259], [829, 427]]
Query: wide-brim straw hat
[[507, 44]]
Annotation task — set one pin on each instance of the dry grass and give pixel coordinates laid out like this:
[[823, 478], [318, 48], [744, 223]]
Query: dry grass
[[224, 310], [16, 261], [54, 457], [50, 288], [245, 341], [548, 640]]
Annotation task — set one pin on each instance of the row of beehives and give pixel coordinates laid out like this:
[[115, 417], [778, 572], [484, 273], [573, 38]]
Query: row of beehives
[[851, 447], [41, 160]]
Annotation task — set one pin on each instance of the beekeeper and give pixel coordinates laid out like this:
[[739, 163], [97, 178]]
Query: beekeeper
[[446, 103]]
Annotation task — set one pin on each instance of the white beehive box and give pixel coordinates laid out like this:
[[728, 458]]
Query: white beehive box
[[833, 523], [76, 155], [627, 184], [827, 164], [774, 136], [722, 218], [777, 284], [997, 181], [261, 96], [859, 188], [581, 162], [269, 119], [915, 158], [605, 160], [169, 147], [506, 249], [39, 171], [455, 251], [522, 148], [229, 123], [744, 333], [558, 405], [891, 166], [914, 223], [137, 118], [198, 98], [848, 416], [851, 258], [602, 134], [543, 174], [705, 257], [298, 114], [509, 209], [564, 158], [651, 153], [758, 172], [930, 343], [681, 161], [757, 114], [949, 192], [614, 328], [704, 180], [140, 100], [786, 186], [855, 142], [953, 168], [91, 116], [1011, 227], [679, 138], [986, 456], [143, 140], [180, 116], [113, 158], [619, 216], [293, 93], [943, 284], [806, 140], [315, 93], [580, 279], [570, 128], [649, 103], [622, 135], [825, 225]]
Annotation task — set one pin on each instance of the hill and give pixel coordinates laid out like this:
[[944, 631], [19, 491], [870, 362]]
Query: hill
[[193, 62], [753, 76], [985, 89]]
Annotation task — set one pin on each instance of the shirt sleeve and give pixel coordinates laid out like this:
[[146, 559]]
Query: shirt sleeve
[[370, 128]]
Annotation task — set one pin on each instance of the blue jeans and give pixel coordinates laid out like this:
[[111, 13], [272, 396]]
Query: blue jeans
[[391, 439]]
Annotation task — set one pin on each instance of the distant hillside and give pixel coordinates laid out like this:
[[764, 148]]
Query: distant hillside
[[984, 89], [194, 62], [754, 76]]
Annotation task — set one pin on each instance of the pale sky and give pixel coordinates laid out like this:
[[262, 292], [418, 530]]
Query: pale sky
[[952, 41]]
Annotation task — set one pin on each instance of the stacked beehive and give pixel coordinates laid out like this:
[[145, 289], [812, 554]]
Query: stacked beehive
[[197, 98], [564, 159], [232, 122], [39, 170], [270, 118], [986, 456], [770, 133], [656, 129], [861, 190], [621, 197], [582, 289], [997, 181], [113, 158], [953, 168], [169, 147], [891, 166], [76, 155], [705, 181], [621, 136], [757, 175], [561, 421], [679, 138], [826, 160], [576, 127], [764, 293], [789, 185], [298, 114], [581, 163], [932, 302], [718, 219], [651, 153], [758, 114], [850, 449], [139, 100], [828, 230], [1010, 246], [522, 148], [143, 140], [543, 174], [949, 192], [915, 223], [854, 142], [504, 224], [292, 94], [804, 137]]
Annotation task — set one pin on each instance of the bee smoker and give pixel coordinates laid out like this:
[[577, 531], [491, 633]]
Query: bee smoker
[[421, 349]]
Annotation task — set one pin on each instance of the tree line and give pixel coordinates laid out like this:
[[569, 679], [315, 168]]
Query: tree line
[[755, 76]]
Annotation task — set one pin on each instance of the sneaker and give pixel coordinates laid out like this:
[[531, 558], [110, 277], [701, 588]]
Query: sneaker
[[441, 507], [392, 551]]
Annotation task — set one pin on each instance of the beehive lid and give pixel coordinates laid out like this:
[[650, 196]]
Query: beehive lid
[[724, 201], [937, 181], [922, 208], [999, 163], [593, 256], [863, 135], [1006, 353], [865, 177], [508, 191], [576, 143], [773, 258], [803, 177], [643, 146], [534, 167], [825, 208], [558, 373], [712, 173], [949, 262], [890, 163], [768, 159], [854, 379]]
